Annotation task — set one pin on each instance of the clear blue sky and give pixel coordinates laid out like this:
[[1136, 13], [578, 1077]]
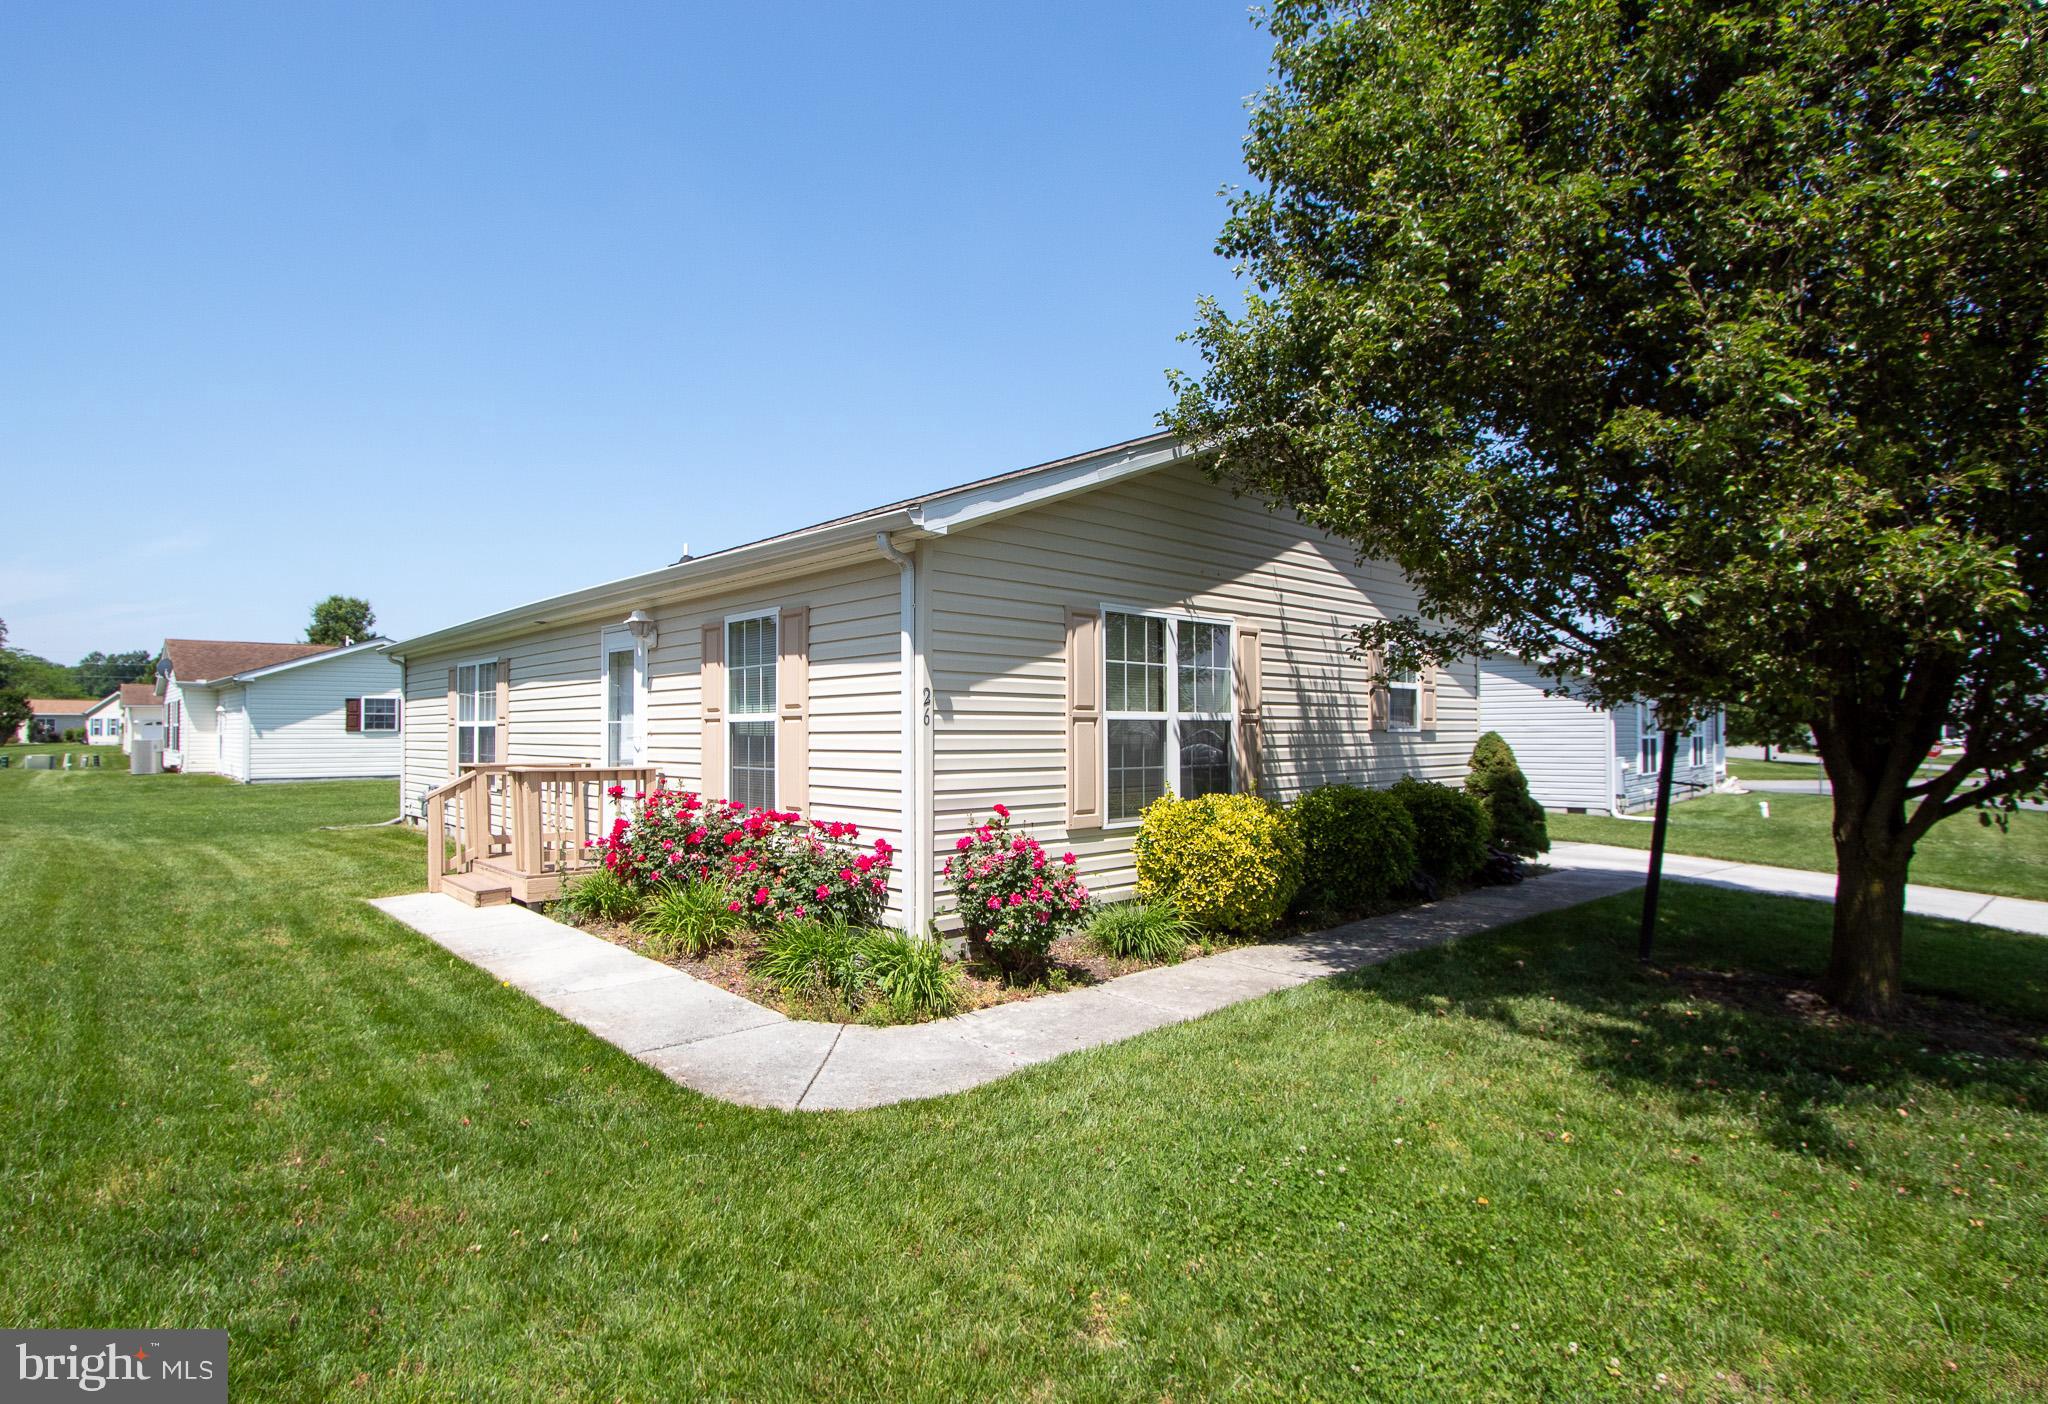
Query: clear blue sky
[[454, 306]]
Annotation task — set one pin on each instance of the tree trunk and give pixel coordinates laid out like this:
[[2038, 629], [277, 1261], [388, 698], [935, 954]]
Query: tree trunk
[[1871, 859]]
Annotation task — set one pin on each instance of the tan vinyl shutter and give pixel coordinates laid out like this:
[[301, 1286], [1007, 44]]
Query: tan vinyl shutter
[[503, 750], [352, 714], [793, 709], [1425, 698], [1084, 719], [711, 707], [453, 764], [1376, 683], [1250, 683]]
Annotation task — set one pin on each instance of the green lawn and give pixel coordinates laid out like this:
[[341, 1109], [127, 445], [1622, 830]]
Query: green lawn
[[1960, 852], [1518, 1168], [110, 756], [1775, 770]]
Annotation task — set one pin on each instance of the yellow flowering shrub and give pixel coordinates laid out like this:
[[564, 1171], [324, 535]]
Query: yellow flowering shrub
[[1226, 862]]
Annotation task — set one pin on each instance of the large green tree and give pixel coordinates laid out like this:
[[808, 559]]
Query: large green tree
[[1693, 349], [341, 619], [100, 673]]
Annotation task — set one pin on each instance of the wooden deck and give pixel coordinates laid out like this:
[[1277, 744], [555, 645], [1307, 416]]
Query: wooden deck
[[515, 833]]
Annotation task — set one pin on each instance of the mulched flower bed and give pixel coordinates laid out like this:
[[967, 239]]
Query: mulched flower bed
[[1072, 964]]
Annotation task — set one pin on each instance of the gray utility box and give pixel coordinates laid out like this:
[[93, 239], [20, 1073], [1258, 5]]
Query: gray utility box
[[145, 756]]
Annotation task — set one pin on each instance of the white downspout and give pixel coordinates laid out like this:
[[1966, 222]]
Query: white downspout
[[912, 822]]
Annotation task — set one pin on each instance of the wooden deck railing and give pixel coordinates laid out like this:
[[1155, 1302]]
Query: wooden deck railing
[[538, 823]]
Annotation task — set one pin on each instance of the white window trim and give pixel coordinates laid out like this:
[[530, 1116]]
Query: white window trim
[[363, 716], [492, 661], [1648, 735], [617, 638], [771, 716], [1173, 715], [1414, 685]]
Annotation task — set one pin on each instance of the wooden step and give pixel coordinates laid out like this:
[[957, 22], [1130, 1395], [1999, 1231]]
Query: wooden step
[[477, 889]]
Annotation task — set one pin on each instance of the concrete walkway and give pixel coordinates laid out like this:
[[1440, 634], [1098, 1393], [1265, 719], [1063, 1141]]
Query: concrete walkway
[[724, 1046], [2007, 913]]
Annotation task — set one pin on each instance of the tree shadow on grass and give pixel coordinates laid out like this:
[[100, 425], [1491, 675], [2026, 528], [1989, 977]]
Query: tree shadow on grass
[[1711, 1030]]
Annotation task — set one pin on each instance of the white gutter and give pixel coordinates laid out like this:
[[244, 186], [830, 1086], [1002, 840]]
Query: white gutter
[[912, 801]]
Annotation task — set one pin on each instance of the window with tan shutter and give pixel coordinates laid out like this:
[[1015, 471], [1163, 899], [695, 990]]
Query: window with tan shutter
[[1169, 707]]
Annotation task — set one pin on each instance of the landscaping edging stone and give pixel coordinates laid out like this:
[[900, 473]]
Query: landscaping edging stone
[[725, 1046]]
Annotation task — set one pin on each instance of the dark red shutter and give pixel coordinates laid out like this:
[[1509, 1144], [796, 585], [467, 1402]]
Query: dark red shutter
[[352, 713]]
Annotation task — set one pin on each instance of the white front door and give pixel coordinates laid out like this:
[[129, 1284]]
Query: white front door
[[624, 690]]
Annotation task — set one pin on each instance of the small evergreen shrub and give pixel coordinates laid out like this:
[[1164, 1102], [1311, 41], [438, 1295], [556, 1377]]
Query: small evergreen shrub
[[1014, 899], [1451, 831], [599, 896], [1358, 847], [1226, 863], [1496, 780], [909, 975], [1139, 931], [690, 917]]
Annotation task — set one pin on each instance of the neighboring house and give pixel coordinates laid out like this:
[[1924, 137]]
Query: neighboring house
[[103, 722], [50, 717], [1068, 640], [1589, 759], [141, 715], [272, 711]]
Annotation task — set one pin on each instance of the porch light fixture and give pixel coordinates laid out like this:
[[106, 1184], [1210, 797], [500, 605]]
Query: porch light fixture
[[640, 624]]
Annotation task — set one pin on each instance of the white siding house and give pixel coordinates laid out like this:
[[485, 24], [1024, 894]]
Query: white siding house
[[1583, 758], [1068, 640], [253, 711], [103, 723]]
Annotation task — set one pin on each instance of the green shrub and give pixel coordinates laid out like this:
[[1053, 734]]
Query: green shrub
[[691, 917], [599, 896], [909, 975], [1358, 847], [1228, 863], [1139, 931], [1451, 832], [1496, 780], [813, 958]]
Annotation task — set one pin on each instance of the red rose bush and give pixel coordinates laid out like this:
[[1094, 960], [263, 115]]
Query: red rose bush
[[1014, 899], [783, 866]]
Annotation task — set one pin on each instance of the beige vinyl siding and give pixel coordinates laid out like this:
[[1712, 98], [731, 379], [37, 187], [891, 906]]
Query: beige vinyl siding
[[557, 705], [1170, 540], [299, 723]]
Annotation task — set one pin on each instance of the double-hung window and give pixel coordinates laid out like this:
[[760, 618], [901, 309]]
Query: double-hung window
[[476, 713], [1699, 745], [1652, 743], [174, 731], [1404, 702], [750, 709], [98, 727], [1169, 705], [381, 713]]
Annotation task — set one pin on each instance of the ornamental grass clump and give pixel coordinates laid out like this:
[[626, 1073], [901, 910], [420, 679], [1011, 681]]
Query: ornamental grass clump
[[909, 976], [1151, 931], [599, 896], [1229, 864], [1358, 848], [691, 916], [782, 866], [1014, 900]]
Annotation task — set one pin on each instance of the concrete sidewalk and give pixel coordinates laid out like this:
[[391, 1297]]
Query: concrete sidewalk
[[724, 1046], [2007, 913]]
